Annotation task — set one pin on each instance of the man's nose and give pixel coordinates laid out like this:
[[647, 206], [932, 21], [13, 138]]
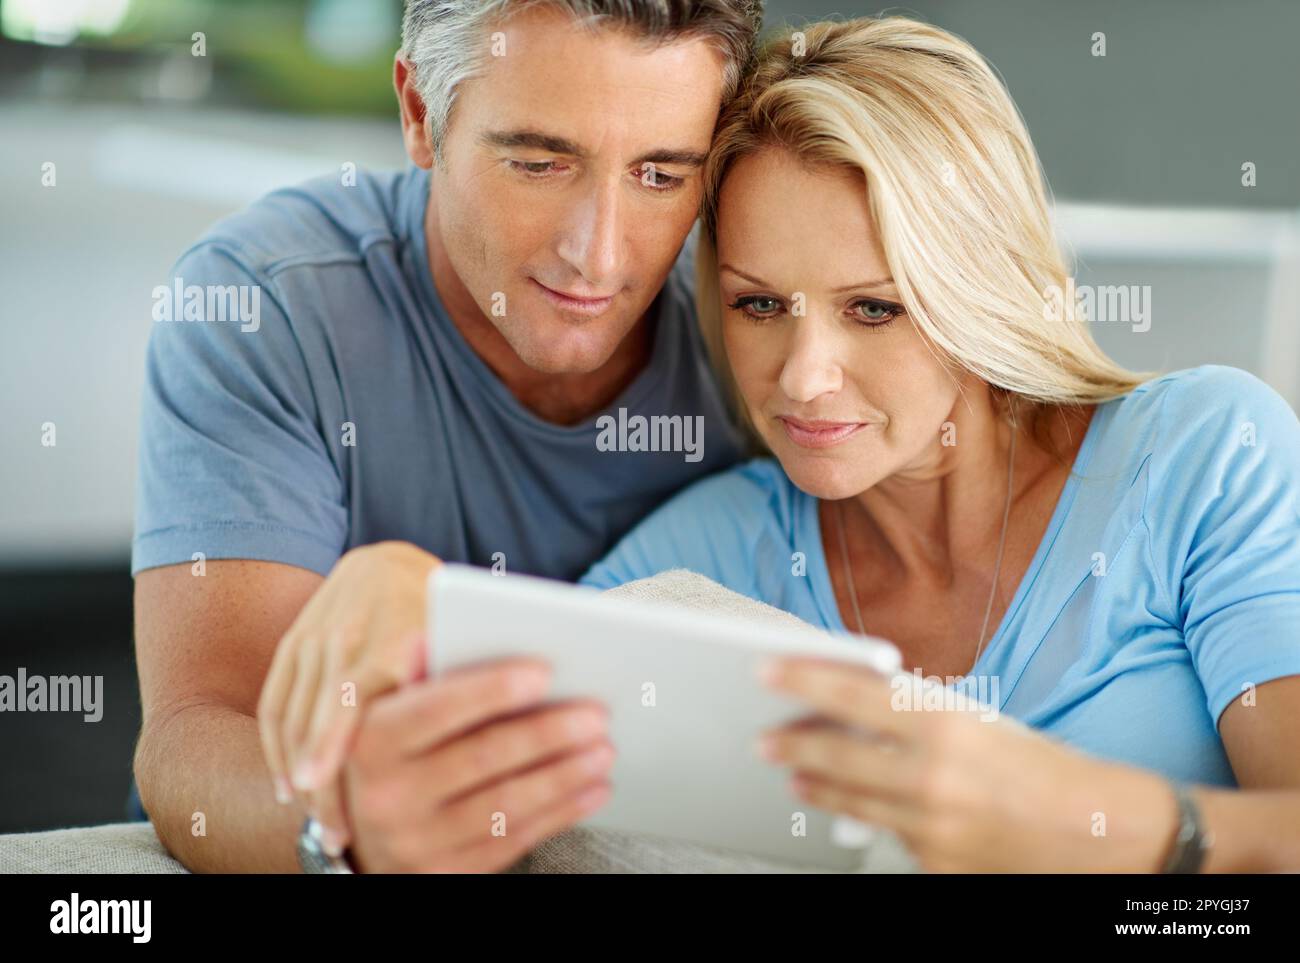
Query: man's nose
[[812, 367], [592, 242]]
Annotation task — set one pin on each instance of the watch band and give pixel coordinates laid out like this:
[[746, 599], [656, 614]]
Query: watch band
[[312, 856], [1191, 842]]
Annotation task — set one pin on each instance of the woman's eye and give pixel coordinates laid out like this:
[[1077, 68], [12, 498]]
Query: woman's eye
[[757, 306], [877, 312]]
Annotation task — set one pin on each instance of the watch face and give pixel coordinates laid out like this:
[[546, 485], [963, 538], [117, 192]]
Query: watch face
[[311, 854]]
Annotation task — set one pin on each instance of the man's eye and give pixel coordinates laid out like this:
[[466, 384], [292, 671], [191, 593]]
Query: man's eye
[[651, 176], [535, 168], [759, 306]]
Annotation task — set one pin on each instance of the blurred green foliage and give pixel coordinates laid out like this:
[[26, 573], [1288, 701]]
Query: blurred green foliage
[[330, 56]]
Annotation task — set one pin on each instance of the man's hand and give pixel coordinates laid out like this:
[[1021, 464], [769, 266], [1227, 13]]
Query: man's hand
[[360, 635], [431, 788]]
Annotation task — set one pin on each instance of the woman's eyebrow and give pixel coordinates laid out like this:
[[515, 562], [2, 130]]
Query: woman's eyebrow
[[879, 283], [886, 282], [741, 274]]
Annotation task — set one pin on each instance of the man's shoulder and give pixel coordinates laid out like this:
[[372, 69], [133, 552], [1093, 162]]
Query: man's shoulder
[[331, 219]]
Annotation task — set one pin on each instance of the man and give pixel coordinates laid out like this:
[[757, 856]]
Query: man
[[418, 376]]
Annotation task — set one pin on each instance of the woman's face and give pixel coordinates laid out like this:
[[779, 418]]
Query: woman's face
[[835, 376]]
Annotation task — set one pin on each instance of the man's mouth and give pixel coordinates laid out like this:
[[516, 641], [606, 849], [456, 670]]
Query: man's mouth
[[575, 303], [819, 434]]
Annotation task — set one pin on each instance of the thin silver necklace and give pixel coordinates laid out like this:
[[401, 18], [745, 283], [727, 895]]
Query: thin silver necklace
[[997, 570]]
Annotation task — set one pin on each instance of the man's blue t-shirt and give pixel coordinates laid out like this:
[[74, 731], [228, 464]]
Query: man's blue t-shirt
[[307, 393], [1166, 585]]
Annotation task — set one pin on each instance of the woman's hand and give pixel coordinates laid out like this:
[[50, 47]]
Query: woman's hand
[[360, 635], [964, 794]]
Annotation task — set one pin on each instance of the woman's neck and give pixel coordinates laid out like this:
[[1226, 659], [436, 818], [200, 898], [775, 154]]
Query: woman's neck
[[922, 546], [948, 504]]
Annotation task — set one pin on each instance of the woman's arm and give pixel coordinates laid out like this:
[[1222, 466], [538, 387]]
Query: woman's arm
[[1257, 828], [1222, 510], [968, 795]]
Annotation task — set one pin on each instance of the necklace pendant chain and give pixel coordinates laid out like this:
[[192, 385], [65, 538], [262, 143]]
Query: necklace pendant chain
[[997, 569]]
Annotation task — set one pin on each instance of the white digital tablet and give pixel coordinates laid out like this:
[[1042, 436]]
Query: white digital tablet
[[686, 706]]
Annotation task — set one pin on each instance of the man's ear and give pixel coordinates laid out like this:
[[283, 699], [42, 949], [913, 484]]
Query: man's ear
[[415, 123]]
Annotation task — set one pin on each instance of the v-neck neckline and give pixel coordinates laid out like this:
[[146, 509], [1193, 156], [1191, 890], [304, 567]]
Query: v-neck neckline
[[824, 591]]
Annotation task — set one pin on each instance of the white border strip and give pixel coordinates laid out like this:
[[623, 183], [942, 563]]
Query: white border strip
[[1280, 366], [1106, 230]]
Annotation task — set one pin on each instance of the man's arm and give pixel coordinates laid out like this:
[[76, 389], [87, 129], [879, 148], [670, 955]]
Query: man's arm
[[435, 764], [203, 646]]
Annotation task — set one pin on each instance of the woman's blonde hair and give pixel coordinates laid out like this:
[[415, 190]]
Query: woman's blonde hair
[[955, 190]]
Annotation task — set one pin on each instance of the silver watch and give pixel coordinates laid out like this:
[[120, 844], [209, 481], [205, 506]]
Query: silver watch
[[1191, 842], [311, 852]]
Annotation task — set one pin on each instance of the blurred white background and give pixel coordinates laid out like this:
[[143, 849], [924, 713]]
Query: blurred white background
[[78, 263]]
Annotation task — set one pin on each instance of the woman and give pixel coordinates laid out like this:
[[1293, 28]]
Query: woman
[[965, 473]]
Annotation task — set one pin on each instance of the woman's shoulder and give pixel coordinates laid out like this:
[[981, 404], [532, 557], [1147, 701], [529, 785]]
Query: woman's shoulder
[[736, 499], [1188, 416], [708, 527], [1205, 392], [1212, 439], [746, 485]]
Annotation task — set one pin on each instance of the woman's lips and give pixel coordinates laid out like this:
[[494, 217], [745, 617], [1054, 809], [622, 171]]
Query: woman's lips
[[819, 434], [567, 302]]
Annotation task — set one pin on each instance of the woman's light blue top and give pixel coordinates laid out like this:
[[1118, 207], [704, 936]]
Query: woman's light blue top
[[1166, 585]]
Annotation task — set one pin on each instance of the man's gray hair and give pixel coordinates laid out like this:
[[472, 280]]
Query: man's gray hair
[[446, 40]]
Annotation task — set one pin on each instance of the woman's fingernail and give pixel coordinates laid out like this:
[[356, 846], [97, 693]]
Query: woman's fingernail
[[331, 841], [769, 672], [283, 791], [303, 776], [766, 747]]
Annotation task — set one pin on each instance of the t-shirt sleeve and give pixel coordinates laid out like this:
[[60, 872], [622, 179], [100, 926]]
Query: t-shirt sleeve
[[232, 462], [1226, 519], [709, 529]]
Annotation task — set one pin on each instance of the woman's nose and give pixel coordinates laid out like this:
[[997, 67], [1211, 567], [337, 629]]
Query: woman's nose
[[812, 367]]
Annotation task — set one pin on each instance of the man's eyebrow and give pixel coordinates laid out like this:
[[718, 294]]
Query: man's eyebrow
[[531, 138], [681, 157], [552, 144], [879, 283]]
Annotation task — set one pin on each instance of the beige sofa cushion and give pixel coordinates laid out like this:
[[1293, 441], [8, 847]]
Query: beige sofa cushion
[[116, 848]]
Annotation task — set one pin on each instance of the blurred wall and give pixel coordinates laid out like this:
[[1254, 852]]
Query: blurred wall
[[135, 186], [1143, 146], [1188, 90]]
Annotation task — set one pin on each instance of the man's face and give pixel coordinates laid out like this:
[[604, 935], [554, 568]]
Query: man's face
[[569, 178]]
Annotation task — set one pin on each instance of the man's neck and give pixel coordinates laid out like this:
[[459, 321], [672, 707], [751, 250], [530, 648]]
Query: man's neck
[[563, 399]]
